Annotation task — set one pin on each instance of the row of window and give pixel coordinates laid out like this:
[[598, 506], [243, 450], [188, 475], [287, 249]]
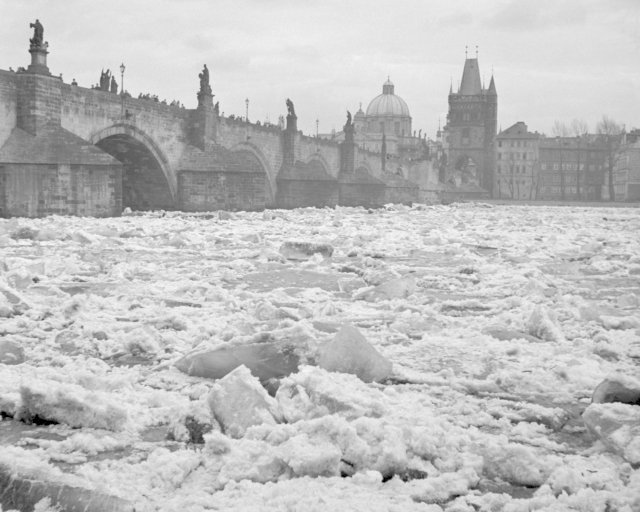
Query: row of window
[[513, 156], [511, 181], [566, 166], [514, 143], [514, 169]]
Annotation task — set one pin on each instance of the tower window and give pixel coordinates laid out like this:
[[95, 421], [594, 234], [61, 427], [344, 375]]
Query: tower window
[[465, 136]]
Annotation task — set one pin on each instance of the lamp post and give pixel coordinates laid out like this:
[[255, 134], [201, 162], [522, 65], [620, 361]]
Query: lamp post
[[317, 135], [246, 102], [122, 68]]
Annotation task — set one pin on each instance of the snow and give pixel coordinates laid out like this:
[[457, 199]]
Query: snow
[[493, 325]]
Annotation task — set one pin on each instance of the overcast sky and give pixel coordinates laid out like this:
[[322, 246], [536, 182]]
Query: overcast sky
[[552, 59]]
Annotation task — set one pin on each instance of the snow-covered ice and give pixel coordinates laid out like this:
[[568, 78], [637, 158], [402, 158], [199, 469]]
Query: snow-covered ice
[[139, 347]]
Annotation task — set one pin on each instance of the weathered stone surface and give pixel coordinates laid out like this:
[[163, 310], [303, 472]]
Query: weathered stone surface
[[239, 401], [350, 352]]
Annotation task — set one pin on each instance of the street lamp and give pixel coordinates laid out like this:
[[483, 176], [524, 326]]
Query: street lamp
[[317, 124], [122, 68], [246, 102]]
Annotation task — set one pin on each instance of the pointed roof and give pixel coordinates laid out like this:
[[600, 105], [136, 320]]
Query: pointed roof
[[471, 83], [492, 87]]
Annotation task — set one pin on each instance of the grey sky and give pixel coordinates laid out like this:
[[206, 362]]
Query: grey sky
[[551, 59]]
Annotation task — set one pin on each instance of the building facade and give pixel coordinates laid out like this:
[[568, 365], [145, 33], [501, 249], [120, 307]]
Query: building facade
[[627, 168], [517, 173], [470, 131], [571, 168], [531, 166]]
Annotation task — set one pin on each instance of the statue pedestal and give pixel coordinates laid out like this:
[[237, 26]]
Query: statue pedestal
[[39, 60]]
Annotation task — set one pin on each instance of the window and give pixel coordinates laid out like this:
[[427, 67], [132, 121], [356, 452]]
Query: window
[[465, 136], [499, 156], [524, 156], [500, 144]]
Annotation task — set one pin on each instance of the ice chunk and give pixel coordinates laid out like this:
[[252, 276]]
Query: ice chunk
[[307, 457], [39, 491], [617, 425], [265, 360], [617, 388], [505, 334], [192, 424], [514, 463], [11, 352], [70, 404], [350, 352], [239, 401], [399, 288], [314, 392], [542, 324], [11, 299], [298, 250]]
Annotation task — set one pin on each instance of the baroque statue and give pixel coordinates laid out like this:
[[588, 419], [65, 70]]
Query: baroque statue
[[37, 40], [205, 87], [290, 110]]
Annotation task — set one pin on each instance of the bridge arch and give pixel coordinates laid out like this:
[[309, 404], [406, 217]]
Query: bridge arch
[[466, 170], [318, 157], [271, 177], [366, 166], [149, 182]]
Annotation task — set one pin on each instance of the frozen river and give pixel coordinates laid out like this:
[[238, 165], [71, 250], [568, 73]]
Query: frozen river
[[499, 322]]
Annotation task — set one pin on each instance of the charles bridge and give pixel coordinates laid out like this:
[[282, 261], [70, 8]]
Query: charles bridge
[[66, 149]]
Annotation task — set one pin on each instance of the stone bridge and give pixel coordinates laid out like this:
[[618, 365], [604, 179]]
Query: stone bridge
[[66, 149]]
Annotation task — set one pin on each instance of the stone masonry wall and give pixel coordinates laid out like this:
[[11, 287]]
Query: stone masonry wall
[[59, 189], [38, 102], [206, 191], [85, 112], [362, 194], [8, 101], [301, 193]]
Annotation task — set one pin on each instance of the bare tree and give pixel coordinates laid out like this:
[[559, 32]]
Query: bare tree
[[561, 131], [610, 134], [580, 129]]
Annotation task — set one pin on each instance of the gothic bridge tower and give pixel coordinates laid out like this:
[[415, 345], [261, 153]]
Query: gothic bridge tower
[[471, 127]]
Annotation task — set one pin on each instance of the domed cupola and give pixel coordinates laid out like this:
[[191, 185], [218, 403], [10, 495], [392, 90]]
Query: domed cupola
[[388, 112]]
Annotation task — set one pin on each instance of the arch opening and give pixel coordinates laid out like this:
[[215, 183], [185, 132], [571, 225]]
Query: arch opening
[[144, 184], [466, 170]]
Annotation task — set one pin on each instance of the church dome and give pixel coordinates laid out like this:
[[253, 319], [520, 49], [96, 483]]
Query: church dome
[[387, 103]]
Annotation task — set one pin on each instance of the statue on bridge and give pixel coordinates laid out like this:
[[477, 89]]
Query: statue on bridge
[[205, 87], [348, 128], [114, 85], [290, 110], [105, 80], [37, 41]]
